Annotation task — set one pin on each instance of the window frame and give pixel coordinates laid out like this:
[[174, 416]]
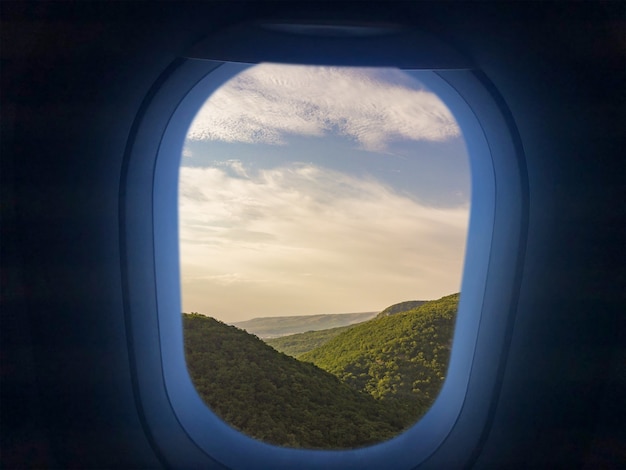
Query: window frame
[[182, 430]]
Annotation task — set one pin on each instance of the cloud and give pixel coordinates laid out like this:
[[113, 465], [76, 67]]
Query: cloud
[[267, 102], [303, 239]]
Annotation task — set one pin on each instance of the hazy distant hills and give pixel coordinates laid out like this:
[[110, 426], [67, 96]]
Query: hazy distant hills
[[273, 327], [361, 384]]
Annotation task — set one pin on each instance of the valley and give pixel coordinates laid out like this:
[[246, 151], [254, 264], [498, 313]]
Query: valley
[[274, 327], [346, 387]]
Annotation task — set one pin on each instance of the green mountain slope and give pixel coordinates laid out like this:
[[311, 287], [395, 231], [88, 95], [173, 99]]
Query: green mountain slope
[[402, 356], [278, 399], [300, 343], [273, 327], [294, 345], [401, 307]]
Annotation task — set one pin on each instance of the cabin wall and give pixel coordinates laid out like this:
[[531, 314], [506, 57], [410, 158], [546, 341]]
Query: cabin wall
[[74, 76]]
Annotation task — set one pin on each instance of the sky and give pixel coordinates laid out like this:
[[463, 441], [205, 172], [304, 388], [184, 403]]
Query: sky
[[306, 190]]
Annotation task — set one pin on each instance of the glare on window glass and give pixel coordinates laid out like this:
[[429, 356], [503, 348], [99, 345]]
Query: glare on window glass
[[323, 219]]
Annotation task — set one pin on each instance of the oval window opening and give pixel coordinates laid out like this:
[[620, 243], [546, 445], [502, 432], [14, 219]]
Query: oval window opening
[[323, 216]]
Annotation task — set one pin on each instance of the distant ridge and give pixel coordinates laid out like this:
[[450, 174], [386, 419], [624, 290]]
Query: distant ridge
[[401, 307], [274, 327]]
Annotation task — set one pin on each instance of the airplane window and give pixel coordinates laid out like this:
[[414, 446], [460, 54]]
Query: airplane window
[[323, 217]]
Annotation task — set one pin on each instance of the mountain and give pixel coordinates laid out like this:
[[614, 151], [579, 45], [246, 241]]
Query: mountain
[[273, 327], [401, 307], [278, 399], [300, 343], [402, 356], [365, 384]]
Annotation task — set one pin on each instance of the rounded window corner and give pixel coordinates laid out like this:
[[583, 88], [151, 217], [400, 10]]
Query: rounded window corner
[[152, 295]]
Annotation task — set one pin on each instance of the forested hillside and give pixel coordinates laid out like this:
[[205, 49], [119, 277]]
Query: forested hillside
[[294, 345], [300, 343], [401, 307], [278, 399], [378, 377], [402, 356]]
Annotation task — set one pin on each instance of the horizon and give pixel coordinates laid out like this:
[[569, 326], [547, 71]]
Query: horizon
[[317, 314], [295, 203], [308, 315]]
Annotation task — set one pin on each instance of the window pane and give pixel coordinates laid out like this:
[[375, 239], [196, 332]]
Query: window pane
[[307, 192]]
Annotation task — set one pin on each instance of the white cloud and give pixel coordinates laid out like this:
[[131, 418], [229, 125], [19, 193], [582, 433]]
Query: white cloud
[[267, 102], [303, 239]]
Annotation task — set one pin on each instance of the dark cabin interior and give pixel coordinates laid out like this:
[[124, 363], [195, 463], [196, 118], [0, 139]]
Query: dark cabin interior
[[75, 77]]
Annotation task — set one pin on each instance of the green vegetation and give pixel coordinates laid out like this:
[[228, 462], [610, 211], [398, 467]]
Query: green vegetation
[[276, 398], [273, 327], [401, 307], [294, 345], [402, 356], [300, 343], [366, 383]]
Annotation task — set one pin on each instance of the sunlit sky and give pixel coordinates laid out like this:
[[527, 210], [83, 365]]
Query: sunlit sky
[[308, 190]]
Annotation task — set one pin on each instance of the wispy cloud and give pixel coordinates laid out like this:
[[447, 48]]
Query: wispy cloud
[[266, 103], [303, 239]]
